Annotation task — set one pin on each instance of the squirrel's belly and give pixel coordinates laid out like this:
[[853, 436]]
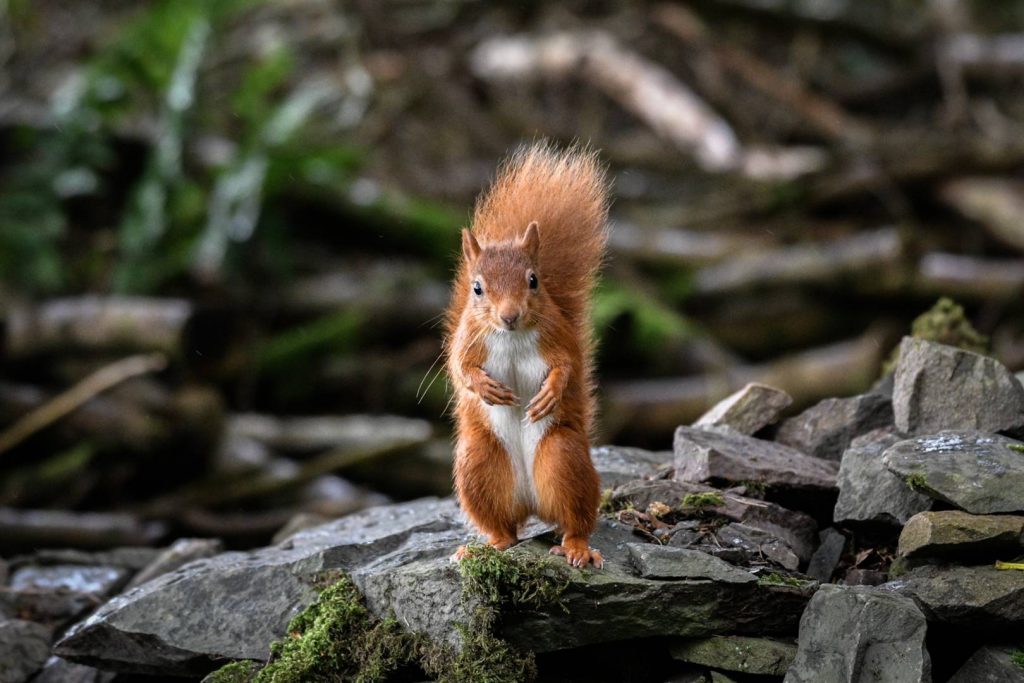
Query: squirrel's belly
[[514, 359]]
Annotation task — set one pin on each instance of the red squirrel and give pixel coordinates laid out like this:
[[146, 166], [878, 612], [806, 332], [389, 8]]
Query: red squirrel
[[520, 349]]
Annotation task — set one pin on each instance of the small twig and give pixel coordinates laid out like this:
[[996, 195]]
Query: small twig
[[67, 401]]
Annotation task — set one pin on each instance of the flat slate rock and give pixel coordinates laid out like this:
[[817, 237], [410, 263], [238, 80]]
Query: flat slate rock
[[989, 665], [852, 634], [980, 597], [757, 544], [750, 409], [756, 656], [234, 605], [57, 670], [24, 648], [797, 529], [868, 491], [942, 387], [705, 456], [620, 464], [952, 532], [826, 429], [654, 561], [977, 472], [826, 558]]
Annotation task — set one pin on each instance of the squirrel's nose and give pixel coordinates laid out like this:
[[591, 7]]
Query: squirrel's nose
[[510, 318]]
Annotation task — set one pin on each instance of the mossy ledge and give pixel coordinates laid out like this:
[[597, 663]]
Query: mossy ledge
[[337, 639]]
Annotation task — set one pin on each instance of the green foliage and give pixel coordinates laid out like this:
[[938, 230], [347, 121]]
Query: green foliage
[[945, 323], [337, 639], [234, 672], [1017, 657], [916, 481], [653, 323], [776, 579], [514, 578], [702, 501]]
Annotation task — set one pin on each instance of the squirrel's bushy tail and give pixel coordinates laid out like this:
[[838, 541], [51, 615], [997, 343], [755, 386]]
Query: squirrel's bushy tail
[[566, 192]]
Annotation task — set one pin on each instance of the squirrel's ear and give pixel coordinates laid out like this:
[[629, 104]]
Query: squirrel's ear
[[470, 247], [531, 240]]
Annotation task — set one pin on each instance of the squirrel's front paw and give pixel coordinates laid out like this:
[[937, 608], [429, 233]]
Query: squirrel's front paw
[[491, 391], [541, 405]]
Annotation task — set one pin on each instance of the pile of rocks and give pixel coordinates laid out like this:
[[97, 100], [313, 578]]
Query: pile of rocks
[[867, 538]]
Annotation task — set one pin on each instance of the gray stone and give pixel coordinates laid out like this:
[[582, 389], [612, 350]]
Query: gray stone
[[975, 597], [618, 464], [758, 544], [133, 558], [860, 634], [233, 605], [759, 656], [855, 576], [826, 429], [868, 492], [796, 529], [977, 472], [73, 578], [654, 561], [59, 670], [748, 410], [180, 553], [941, 387], [989, 665], [712, 456], [952, 532], [826, 557], [51, 606], [24, 648]]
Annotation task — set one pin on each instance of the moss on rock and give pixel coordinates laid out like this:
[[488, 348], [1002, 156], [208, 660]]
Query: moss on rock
[[337, 639], [945, 323]]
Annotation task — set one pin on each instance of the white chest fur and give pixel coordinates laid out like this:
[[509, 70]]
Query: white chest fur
[[514, 359]]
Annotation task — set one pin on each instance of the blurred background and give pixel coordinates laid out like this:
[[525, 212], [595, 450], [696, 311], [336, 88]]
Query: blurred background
[[227, 228]]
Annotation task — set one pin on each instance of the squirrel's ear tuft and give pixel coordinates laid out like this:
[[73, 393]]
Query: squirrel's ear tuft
[[531, 240], [470, 247]]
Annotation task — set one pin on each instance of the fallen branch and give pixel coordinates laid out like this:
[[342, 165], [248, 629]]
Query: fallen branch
[[66, 402], [810, 263], [663, 404], [98, 324], [653, 94], [969, 276], [827, 117]]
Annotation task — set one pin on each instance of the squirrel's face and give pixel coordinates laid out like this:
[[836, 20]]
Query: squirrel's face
[[505, 288]]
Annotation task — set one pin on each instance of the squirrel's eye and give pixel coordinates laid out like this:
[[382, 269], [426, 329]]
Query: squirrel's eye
[[533, 281], [477, 289]]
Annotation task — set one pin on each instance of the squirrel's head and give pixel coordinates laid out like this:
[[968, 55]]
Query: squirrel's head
[[505, 288]]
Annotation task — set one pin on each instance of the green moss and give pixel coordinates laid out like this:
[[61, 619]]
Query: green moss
[[1017, 657], [334, 639], [702, 501], [1017, 447], [776, 579], [755, 489], [483, 656], [607, 505], [235, 672], [945, 323], [916, 481], [512, 578], [337, 639]]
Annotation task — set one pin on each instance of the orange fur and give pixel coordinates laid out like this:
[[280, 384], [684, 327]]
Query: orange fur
[[543, 219]]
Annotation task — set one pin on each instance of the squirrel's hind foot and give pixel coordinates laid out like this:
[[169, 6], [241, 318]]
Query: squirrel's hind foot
[[578, 554]]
